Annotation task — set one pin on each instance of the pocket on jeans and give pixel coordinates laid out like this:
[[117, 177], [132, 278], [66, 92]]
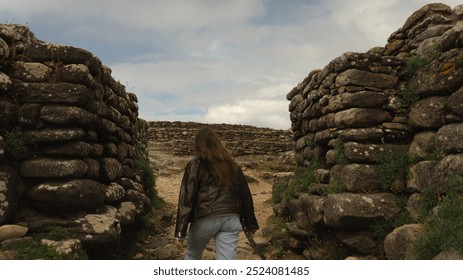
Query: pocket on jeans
[[233, 224]]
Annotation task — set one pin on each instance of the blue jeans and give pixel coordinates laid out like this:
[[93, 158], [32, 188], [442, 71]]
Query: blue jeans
[[225, 231]]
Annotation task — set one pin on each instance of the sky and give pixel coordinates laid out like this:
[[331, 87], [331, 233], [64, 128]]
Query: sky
[[214, 61]]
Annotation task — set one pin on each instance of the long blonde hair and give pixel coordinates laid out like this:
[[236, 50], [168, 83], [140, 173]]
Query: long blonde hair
[[209, 148]]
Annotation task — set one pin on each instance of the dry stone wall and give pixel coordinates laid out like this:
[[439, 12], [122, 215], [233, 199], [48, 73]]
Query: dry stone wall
[[70, 135], [239, 139], [379, 126]]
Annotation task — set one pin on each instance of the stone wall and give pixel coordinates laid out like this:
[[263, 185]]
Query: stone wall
[[70, 135], [379, 126], [239, 139]]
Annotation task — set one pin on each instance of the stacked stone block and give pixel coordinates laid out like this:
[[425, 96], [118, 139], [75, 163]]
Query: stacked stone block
[[363, 108], [76, 131], [239, 139]]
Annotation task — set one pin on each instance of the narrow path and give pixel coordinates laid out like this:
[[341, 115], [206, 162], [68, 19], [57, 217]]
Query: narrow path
[[169, 171]]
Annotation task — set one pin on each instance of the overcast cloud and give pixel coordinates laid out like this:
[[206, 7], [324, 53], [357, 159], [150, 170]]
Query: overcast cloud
[[214, 61]]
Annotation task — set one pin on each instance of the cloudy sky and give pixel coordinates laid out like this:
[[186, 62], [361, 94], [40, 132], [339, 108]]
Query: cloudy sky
[[214, 61]]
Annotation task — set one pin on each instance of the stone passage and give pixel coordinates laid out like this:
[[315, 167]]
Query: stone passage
[[380, 129], [70, 137], [239, 139]]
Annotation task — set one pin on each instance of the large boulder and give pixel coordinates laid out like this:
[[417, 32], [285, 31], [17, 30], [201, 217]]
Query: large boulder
[[67, 196], [366, 79], [449, 138], [428, 112], [398, 244], [53, 168], [12, 231], [356, 212], [361, 117]]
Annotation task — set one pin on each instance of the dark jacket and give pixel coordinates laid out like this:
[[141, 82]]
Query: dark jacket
[[201, 197]]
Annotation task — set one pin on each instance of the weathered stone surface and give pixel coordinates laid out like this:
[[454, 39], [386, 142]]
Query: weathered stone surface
[[41, 52], [68, 196], [449, 138], [359, 178], [140, 200], [423, 144], [53, 168], [413, 207], [31, 71], [361, 117], [77, 73], [12, 231], [69, 247], [369, 153], [431, 32], [4, 50], [66, 115], [9, 193], [449, 255], [78, 149], [51, 93], [365, 79], [436, 78], [126, 213], [361, 134], [449, 166], [428, 112], [420, 175], [110, 169], [5, 82], [54, 135], [398, 245], [455, 102], [114, 192], [97, 230], [361, 99], [8, 112], [359, 242], [356, 212]]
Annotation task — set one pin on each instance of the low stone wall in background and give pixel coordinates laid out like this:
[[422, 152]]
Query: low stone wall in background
[[239, 139]]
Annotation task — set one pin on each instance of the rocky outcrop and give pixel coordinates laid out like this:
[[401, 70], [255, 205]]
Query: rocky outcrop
[[70, 135], [239, 139], [380, 127]]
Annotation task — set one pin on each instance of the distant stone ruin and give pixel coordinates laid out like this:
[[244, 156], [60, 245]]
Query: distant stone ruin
[[239, 139], [69, 139], [380, 127]]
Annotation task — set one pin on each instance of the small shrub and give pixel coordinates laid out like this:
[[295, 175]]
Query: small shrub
[[436, 155], [14, 141], [392, 167], [339, 151], [301, 180], [416, 62], [333, 187], [143, 168], [409, 97], [32, 249], [444, 229], [458, 61], [429, 200], [278, 190], [250, 179]]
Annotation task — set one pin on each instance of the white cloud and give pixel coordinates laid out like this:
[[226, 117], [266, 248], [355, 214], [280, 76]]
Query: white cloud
[[214, 60]]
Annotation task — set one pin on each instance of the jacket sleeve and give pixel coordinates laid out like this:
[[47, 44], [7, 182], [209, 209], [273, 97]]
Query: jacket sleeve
[[247, 204], [186, 199]]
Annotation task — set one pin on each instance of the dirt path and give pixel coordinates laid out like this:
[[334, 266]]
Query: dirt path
[[169, 172]]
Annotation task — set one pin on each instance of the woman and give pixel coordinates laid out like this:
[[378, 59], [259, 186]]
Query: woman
[[214, 196]]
